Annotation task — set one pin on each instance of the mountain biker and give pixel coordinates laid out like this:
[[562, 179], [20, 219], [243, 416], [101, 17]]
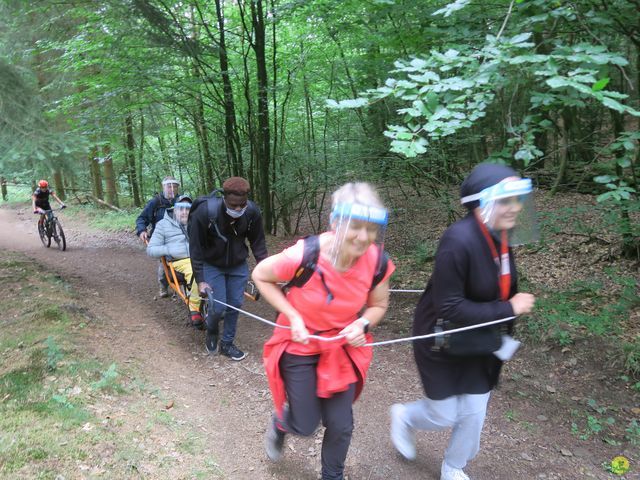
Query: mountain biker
[[40, 200]]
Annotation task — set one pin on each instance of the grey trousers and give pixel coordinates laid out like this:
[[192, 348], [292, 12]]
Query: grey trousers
[[465, 413], [162, 279]]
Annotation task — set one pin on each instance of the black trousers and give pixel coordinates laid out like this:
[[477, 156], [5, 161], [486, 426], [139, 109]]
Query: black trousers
[[306, 410]]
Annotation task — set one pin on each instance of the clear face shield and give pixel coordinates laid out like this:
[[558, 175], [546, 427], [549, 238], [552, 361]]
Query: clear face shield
[[356, 227], [508, 205], [181, 212], [170, 188]]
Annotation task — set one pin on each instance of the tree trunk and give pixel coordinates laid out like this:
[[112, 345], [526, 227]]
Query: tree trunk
[[96, 176], [3, 187], [58, 184], [264, 140], [203, 137], [565, 129], [630, 244], [232, 140], [110, 177], [132, 174], [141, 157]]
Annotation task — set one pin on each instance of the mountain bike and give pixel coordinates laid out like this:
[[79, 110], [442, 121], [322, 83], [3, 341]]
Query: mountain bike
[[51, 228]]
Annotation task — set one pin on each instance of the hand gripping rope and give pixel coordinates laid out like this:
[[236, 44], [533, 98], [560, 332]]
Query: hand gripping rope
[[373, 344]]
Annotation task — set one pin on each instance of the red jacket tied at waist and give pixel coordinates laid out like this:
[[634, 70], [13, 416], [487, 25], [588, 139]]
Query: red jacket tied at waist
[[339, 365]]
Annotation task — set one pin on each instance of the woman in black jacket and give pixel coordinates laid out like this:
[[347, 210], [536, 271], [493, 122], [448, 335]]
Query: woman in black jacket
[[474, 281]]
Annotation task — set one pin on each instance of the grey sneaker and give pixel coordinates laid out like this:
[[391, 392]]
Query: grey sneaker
[[163, 293], [231, 351], [402, 435], [450, 473], [274, 441]]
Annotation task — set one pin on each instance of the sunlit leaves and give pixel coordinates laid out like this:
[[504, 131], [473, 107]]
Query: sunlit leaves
[[452, 7]]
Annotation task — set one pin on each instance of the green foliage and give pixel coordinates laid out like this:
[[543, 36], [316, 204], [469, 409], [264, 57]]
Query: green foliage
[[633, 432], [451, 90], [425, 252], [52, 419], [589, 308], [631, 352], [592, 425], [108, 380], [54, 354], [115, 221]]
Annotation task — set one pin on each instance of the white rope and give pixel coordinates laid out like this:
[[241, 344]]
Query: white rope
[[268, 322], [437, 334], [396, 290], [373, 344]]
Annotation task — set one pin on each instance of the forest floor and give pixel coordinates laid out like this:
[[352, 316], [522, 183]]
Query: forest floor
[[546, 420]]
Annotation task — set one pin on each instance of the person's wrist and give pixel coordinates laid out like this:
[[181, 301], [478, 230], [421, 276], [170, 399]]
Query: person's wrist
[[365, 324]]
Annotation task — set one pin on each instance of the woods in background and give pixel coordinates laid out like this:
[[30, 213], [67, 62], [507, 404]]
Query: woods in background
[[107, 97]]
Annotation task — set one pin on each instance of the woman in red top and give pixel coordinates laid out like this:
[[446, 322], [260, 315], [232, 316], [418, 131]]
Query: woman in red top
[[319, 380]]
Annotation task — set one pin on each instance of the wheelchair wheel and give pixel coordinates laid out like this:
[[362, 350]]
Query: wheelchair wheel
[[58, 235], [44, 238]]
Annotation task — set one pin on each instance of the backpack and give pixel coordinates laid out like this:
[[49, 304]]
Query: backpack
[[309, 265], [157, 206]]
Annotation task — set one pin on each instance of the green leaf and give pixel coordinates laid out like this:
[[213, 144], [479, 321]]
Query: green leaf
[[624, 162], [418, 63], [600, 84], [452, 7], [614, 105], [605, 178], [522, 37], [557, 82]]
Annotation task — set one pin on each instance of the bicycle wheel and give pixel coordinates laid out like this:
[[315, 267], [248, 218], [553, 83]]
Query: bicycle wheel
[[44, 238], [58, 235]]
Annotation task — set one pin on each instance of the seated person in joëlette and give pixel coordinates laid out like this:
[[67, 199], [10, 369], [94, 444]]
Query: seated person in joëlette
[[170, 239]]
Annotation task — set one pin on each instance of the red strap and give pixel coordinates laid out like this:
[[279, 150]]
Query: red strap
[[502, 261]]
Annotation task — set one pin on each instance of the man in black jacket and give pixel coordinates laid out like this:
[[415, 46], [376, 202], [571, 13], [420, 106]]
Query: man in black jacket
[[152, 213], [219, 228]]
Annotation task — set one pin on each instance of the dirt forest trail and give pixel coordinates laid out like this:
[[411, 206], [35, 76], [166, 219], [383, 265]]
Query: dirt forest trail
[[229, 403]]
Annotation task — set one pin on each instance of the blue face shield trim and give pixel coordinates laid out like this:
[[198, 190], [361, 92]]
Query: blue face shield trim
[[504, 189], [355, 211]]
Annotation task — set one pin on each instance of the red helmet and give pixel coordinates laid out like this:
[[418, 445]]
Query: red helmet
[[43, 184]]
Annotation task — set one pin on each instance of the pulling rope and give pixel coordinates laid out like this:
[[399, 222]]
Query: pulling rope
[[373, 344]]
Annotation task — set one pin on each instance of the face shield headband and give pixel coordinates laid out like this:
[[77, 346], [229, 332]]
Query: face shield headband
[[356, 226], [170, 188], [508, 205]]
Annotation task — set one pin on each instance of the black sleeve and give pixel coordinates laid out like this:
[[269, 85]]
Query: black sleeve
[[146, 217], [256, 238], [452, 271], [198, 225]]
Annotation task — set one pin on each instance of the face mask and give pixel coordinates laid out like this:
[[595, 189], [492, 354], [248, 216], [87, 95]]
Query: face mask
[[236, 213]]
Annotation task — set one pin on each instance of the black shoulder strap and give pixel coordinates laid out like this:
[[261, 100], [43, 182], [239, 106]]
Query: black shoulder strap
[[308, 263], [382, 269], [213, 207], [156, 206]]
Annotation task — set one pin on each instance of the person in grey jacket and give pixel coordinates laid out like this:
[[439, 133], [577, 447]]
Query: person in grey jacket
[[170, 239]]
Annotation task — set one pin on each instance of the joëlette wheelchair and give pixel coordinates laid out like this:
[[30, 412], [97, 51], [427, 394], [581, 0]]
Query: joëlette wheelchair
[[181, 288]]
